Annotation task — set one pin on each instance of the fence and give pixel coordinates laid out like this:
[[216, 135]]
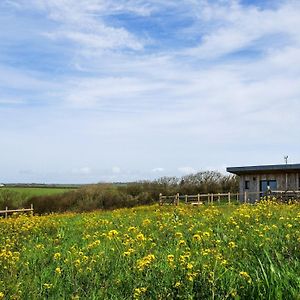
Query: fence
[[199, 198], [210, 198], [21, 210]]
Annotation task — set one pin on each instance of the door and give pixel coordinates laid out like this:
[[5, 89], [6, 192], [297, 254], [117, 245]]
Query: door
[[264, 184]]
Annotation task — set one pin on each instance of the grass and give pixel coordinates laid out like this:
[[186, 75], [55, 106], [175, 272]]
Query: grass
[[207, 252], [16, 197], [33, 191]]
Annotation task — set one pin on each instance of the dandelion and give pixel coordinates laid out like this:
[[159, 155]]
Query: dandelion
[[140, 237], [182, 243], [232, 245], [246, 276], [47, 286], [58, 270], [112, 233], [138, 292], [145, 262], [170, 258], [178, 235], [128, 252], [196, 237], [189, 266], [206, 234], [146, 222], [191, 276], [57, 256], [224, 262]]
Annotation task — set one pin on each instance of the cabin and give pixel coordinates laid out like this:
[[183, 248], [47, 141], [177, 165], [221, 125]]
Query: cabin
[[258, 181]]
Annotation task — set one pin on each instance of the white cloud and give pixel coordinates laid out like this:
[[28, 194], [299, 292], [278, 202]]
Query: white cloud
[[187, 170], [158, 170], [235, 27], [83, 22], [82, 171], [163, 104], [116, 170]]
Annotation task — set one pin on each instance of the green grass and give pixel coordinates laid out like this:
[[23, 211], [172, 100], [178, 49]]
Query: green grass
[[205, 252], [16, 197], [30, 191]]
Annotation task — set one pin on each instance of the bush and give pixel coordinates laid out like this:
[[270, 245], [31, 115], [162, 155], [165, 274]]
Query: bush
[[110, 196]]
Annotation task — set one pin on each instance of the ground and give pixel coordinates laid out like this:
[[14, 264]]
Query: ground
[[207, 252]]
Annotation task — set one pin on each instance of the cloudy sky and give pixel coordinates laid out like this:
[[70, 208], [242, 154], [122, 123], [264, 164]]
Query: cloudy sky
[[119, 90]]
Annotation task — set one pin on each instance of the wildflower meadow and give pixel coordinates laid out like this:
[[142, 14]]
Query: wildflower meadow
[[154, 252]]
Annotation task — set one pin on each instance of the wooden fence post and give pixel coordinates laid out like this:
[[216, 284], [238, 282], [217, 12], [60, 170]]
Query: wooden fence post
[[219, 197], [186, 199], [229, 197], [198, 197], [6, 208], [212, 198], [31, 207], [160, 199], [245, 197], [208, 198], [237, 197], [177, 202]]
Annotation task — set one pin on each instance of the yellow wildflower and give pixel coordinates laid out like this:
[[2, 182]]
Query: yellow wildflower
[[112, 233], [196, 237], [246, 276], [57, 256], [232, 245], [140, 237]]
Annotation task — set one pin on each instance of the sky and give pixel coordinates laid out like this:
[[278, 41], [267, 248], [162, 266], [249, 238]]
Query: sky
[[123, 90]]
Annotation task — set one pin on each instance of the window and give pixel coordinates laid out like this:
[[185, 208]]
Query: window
[[268, 184], [247, 184]]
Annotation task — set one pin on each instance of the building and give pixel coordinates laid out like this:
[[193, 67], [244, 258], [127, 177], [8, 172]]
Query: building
[[256, 181]]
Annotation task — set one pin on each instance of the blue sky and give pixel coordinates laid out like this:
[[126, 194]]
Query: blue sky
[[120, 90]]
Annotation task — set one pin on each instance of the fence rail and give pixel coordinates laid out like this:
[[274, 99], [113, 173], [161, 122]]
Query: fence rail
[[198, 199], [246, 197], [20, 210]]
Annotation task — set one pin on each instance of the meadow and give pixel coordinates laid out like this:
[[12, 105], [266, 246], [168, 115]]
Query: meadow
[[19, 197], [34, 191], [154, 252]]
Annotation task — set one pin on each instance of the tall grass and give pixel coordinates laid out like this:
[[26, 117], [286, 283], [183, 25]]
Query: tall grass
[[224, 252]]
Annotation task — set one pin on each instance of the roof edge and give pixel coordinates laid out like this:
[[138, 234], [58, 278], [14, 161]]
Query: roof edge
[[264, 168]]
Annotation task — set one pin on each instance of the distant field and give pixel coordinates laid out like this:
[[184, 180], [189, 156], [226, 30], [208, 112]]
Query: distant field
[[17, 197], [31, 191]]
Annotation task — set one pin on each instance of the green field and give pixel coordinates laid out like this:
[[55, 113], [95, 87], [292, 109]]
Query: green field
[[19, 197], [35, 191], [206, 252]]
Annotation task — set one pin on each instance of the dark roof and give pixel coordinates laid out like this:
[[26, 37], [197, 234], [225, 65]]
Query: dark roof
[[265, 169]]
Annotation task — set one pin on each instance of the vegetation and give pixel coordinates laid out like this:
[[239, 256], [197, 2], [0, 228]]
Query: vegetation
[[16, 197], [111, 196], [208, 252]]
